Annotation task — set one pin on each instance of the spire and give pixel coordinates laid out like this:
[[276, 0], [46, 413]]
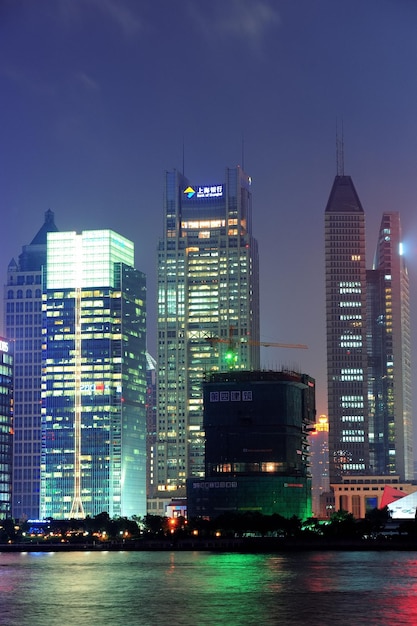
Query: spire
[[47, 227], [343, 197], [340, 152]]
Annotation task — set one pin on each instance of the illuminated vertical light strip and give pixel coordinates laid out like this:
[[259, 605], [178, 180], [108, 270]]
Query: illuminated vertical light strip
[[77, 508]]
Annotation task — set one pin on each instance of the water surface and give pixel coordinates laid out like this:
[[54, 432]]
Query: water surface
[[203, 588]]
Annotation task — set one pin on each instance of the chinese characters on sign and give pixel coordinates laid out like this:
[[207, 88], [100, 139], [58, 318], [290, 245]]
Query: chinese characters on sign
[[212, 191], [230, 396]]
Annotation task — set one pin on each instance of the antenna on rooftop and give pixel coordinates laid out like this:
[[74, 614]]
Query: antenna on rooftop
[[340, 150], [183, 156], [243, 152]]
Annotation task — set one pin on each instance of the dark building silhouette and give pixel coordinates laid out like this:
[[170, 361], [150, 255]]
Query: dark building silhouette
[[257, 450]]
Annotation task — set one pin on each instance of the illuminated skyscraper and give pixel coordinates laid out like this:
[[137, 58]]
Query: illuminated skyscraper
[[319, 461], [23, 326], [207, 290], [347, 359], [368, 343], [94, 378], [6, 426], [390, 431]]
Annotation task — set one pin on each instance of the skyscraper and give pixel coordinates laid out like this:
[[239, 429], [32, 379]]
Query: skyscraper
[[94, 378], [6, 426], [207, 288], [347, 359], [368, 343], [23, 326], [389, 347]]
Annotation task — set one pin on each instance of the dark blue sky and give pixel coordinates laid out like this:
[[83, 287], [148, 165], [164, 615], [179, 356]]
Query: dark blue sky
[[97, 98]]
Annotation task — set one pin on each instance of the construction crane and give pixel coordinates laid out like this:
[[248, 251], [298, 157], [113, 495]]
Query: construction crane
[[231, 353]]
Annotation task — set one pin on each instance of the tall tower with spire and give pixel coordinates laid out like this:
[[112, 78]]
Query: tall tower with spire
[[347, 368], [23, 325]]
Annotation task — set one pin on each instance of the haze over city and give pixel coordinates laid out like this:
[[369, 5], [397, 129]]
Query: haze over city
[[100, 97]]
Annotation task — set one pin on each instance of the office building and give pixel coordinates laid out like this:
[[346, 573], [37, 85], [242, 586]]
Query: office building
[[257, 427], [94, 378], [23, 326], [207, 303], [347, 360], [368, 344], [6, 426], [151, 424], [389, 348], [319, 463]]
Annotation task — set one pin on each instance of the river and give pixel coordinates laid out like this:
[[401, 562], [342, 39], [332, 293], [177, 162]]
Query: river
[[203, 588]]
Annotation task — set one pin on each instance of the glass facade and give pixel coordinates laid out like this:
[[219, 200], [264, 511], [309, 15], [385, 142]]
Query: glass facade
[[207, 290], [94, 378], [6, 426], [257, 446], [389, 348]]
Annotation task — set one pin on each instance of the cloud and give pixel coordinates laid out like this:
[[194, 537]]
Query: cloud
[[247, 20], [86, 81], [121, 14], [26, 81]]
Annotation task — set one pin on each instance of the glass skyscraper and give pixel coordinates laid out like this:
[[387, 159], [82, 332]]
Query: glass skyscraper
[[23, 326], [208, 308], [389, 336], [6, 426], [94, 378]]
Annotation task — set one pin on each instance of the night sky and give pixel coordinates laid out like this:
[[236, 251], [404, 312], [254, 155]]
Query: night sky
[[99, 97]]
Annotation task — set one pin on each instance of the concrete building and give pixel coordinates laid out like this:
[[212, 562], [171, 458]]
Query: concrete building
[[23, 326], [347, 359]]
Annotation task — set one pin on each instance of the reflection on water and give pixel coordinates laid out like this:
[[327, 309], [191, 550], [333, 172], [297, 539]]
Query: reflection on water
[[202, 588]]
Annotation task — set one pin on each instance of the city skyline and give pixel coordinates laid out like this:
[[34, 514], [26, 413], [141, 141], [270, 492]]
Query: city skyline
[[101, 98]]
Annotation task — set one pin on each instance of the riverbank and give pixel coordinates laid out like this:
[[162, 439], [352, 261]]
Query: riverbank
[[245, 544]]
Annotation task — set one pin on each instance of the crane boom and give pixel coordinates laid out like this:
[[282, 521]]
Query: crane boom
[[265, 344]]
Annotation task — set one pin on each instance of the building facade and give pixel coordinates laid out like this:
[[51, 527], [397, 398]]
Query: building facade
[[389, 349], [368, 344], [94, 378], [319, 462], [208, 302], [346, 307], [6, 426], [23, 326], [257, 427]]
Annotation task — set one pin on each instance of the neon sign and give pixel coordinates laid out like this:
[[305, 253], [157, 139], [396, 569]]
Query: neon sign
[[204, 191]]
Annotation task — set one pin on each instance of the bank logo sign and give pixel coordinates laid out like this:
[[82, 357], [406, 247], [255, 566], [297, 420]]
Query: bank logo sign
[[204, 191]]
